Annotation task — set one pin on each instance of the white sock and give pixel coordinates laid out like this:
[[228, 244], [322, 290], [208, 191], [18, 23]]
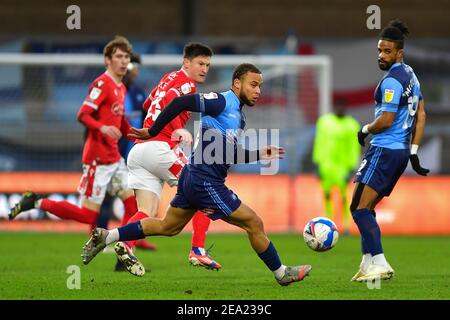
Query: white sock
[[366, 260], [279, 273], [113, 235], [380, 260]]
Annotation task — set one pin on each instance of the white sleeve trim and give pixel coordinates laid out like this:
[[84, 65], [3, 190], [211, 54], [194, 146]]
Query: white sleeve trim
[[90, 104]]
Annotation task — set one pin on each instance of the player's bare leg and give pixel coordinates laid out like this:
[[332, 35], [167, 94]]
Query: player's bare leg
[[364, 200], [172, 224], [377, 200], [147, 202], [245, 218]]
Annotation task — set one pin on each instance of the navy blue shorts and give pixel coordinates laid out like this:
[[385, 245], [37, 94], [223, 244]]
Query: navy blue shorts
[[213, 199], [381, 168]]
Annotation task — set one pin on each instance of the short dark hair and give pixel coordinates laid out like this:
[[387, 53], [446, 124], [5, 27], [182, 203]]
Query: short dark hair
[[195, 49], [242, 70], [396, 31], [118, 42]]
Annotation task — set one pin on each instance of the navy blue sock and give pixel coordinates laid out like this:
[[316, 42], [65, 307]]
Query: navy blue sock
[[364, 248], [270, 257], [369, 229], [132, 231]]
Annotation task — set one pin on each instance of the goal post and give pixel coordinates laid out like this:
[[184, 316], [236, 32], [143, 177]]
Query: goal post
[[322, 62]]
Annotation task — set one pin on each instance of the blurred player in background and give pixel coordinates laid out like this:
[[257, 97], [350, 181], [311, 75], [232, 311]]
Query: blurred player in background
[[202, 181], [160, 159], [399, 114], [134, 113], [134, 99], [336, 153], [104, 170]]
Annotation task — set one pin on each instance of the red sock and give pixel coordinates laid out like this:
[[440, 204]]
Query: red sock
[[137, 217], [200, 225], [130, 209], [66, 210]]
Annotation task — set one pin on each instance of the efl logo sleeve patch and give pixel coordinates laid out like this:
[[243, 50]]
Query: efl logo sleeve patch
[[95, 93], [186, 88], [388, 95]]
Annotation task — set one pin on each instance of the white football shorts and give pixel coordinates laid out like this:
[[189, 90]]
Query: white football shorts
[[152, 163], [99, 179]]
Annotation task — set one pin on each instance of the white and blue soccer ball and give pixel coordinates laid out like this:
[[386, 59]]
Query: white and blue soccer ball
[[320, 234]]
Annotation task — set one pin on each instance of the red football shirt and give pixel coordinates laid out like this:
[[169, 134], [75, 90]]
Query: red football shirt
[[172, 85], [105, 103]]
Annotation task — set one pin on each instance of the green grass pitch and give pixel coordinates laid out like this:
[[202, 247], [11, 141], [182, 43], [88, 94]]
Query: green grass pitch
[[33, 266]]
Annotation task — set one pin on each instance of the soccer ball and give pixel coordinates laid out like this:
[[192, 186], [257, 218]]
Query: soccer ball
[[320, 234]]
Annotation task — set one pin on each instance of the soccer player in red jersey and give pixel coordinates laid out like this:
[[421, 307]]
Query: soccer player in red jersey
[[104, 170], [160, 159]]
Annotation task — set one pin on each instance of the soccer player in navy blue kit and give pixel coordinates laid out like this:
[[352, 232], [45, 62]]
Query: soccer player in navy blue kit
[[202, 182], [399, 122]]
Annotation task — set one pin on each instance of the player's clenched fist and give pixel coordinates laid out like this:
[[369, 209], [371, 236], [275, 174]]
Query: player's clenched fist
[[362, 134]]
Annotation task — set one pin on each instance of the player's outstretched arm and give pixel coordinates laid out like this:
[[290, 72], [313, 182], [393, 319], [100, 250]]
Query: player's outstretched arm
[[169, 113], [417, 139], [211, 104], [265, 153]]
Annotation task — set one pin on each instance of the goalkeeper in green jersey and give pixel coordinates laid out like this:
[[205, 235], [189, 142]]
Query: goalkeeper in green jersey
[[336, 153]]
